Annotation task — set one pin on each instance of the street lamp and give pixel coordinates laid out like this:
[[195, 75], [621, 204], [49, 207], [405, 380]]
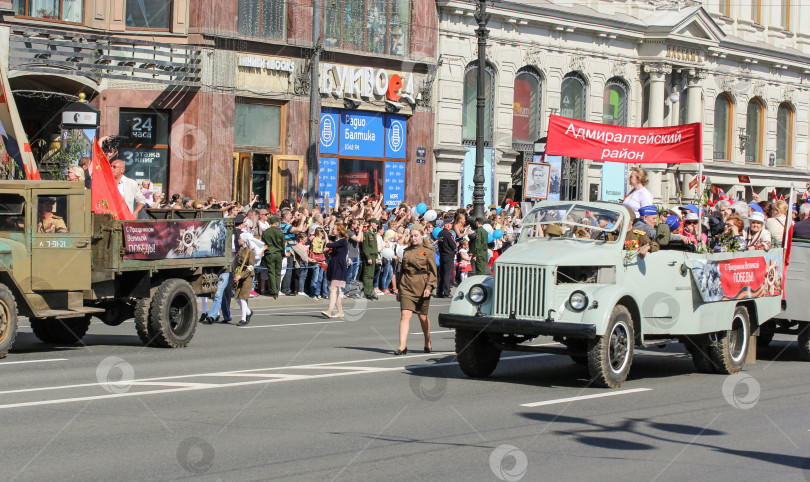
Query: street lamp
[[478, 175]]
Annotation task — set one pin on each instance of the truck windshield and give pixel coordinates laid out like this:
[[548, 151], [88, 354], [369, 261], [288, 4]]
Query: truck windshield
[[12, 209], [572, 220]]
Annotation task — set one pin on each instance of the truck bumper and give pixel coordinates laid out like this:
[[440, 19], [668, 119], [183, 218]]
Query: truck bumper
[[517, 327]]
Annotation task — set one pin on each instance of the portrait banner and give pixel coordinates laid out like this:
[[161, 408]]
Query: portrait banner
[[739, 279], [175, 239], [538, 181], [602, 142]]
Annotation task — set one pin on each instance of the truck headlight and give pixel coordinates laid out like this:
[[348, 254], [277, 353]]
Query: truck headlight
[[578, 301], [478, 294]]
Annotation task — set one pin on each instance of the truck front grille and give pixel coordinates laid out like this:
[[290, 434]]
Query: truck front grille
[[519, 291]]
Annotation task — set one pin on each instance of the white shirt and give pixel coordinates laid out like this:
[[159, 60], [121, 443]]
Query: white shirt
[[131, 193], [638, 199]]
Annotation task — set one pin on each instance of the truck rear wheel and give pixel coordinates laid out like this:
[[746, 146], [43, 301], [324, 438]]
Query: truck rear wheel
[[804, 342], [8, 320], [117, 312], [477, 356], [173, 314], [610, 356], [142, 320], [699, 349], [62, 331], [729, 352]]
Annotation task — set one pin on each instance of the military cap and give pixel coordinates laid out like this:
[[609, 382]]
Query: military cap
[[554, 230], [647, 211], [273, 220], [374, 220]]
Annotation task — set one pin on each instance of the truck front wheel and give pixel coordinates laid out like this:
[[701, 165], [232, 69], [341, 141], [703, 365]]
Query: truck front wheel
[[8, 320], [729, 351], [804, 342], [610, 356], [477, 355], [61, 331], [173, 314]]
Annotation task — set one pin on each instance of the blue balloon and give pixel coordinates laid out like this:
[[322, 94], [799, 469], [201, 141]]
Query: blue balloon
[[436, 232], [498, 234], [421, 208], [498, 211], [490, 238]]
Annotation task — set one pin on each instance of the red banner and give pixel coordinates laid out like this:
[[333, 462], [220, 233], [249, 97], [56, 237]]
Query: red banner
[[738, 279], [354, 179], [602, 142]]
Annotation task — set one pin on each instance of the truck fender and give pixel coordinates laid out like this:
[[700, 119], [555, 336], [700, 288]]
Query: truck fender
[[24, 308], [608, 297], [461, 305]]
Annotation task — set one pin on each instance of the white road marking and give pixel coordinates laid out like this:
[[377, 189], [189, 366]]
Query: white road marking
[[433, 332], [585, 397], [32, 361], [294, 324]]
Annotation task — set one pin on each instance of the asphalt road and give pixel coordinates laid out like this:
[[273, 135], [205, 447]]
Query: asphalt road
[[295, 396]]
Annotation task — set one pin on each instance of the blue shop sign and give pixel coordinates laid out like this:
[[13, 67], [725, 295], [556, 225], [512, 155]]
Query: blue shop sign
[[330, 130], [394, 183], [396, 134], [362, 134], [327, 178]]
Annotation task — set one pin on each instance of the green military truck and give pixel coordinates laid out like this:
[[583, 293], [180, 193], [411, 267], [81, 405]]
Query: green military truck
[[60, 265]]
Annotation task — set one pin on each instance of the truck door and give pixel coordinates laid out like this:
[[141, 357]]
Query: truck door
[[60, 247]]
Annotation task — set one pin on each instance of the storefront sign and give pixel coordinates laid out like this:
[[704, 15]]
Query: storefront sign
[[396, 133], [146, 163], [600, 142], [330, 130], [421, 154], [367, 83], [139, 128], [175, 239], [362, 134], [738, 279], [614, 181], [327, 178], [680, 53], [394, 183], [354, 179], [268, 64], [467, 171]]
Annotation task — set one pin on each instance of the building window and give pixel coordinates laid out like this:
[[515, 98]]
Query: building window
[[784, 134], [257, 125], [448, 192], [614, 106], [369, 26], [725, 7], [146, 153], [526, 110], [469, 109], [149, 14], [756, 11], [263, 18], [572, 100], [722, 127], [753, 129], [64, 10], [785, 14]]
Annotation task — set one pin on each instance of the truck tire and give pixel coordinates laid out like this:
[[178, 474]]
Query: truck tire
[[610, 356], [804, 342], [142, 320], [173, 314], [700, 354], [8, 320], [729, 352], [578, 351], [61, 331], [477, 356]]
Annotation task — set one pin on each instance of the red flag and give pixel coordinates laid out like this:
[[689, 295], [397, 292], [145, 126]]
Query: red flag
[[273, 207], [773, 194], [104, 195], [782, 197]]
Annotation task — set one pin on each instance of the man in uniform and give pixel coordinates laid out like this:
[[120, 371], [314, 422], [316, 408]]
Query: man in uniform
[[368, 254], [47, 221], [447, 258], [273, 237], [648, 216], [638, 239], [479, 248]]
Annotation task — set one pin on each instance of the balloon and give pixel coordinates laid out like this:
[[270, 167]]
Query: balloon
[[430, 215], [421, 208], [498, 211], [490, 238], [414, 212], [387, 253], [497, 234], [436, 232], [487, 228]]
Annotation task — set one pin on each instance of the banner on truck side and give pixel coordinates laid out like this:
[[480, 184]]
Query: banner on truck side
[[175, 239], [602, 142], [738, 279]]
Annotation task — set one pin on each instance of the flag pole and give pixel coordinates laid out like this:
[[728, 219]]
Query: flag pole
[[788, 216], [700, 202]]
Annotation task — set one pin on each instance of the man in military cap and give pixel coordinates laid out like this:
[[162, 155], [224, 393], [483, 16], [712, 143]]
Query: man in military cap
[[273, 237], [553, 231], [638, 238], [447, 257], [648, 217], [368, 254], [47, 221], [479, 248]]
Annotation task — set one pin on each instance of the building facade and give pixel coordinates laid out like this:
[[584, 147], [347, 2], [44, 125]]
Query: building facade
[[740, 71]]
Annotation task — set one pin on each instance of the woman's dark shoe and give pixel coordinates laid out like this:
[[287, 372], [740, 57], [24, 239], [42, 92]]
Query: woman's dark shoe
[[227, 321], [205, 319], [401, 352], [246, 320], [428, 349]]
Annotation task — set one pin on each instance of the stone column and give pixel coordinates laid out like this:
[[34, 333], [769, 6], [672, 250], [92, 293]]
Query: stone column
[[658, 74], [694, 92]]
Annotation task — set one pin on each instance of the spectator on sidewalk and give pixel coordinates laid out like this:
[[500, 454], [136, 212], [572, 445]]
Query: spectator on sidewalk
[[301, 263], [273, 237]]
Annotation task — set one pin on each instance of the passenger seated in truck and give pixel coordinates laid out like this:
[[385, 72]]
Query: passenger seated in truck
[[648, 217], [637, 239], [47, 221]]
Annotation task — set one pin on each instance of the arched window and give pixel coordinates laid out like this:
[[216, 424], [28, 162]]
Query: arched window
[[572, 99], [614, 106], [526, 109], [753, 129], [469, 109], [784, 134], [722, 127]]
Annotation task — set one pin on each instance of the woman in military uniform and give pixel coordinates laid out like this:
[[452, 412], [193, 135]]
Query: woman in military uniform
[[414, 284], [243, 278]]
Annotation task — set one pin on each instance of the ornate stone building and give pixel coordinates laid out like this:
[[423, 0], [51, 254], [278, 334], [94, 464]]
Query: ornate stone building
[[742, 71]]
